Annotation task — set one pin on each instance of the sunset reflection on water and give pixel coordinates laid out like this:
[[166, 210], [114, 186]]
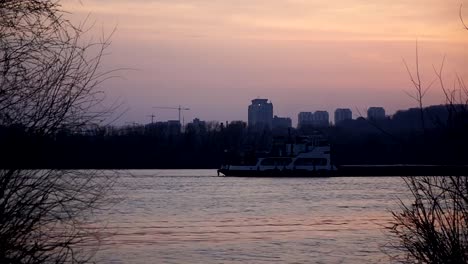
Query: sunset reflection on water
[[190, 217]]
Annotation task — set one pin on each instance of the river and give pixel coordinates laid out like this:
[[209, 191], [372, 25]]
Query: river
[[192, 216]]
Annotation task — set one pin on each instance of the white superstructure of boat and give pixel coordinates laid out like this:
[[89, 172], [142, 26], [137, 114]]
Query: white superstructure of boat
[[308, 158]]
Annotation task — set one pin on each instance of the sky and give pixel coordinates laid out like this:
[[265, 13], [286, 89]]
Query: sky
[[215, 56]]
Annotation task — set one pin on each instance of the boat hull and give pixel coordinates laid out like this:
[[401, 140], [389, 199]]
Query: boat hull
[[275, 173]]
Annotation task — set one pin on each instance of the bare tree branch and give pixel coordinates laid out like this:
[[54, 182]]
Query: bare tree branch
[[49, 78], [433, 226], [420, 90], [50, 72], [461, 17]]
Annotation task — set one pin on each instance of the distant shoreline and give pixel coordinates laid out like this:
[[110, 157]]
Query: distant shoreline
[[396, 170], [403, 170]]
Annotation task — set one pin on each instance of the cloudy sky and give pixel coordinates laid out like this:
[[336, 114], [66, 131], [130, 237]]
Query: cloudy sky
[[214, 56]]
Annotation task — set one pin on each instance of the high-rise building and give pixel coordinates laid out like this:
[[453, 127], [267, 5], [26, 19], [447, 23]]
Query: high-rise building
[[318, 119], [305, 119], [260, 113], [281, 122], [321, 118], [342, 114], [376, 113]]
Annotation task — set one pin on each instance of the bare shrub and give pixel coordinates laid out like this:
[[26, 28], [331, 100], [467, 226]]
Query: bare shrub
[[49, 78], [47, 216], [431, 226]]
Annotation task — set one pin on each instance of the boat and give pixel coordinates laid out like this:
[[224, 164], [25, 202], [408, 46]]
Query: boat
[[307, 156]]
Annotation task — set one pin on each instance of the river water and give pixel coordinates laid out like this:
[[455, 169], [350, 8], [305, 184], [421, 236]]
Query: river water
[[192, 216]]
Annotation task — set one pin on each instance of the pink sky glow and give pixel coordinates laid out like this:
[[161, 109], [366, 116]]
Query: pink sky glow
[[303, 55]]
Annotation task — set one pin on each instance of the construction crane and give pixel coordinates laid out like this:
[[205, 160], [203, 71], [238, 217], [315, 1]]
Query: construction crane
[[152, 118], [180, 108]]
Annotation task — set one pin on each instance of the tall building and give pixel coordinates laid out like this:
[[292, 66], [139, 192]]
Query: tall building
[[260, 113], [342, 114], [321, 118], [281, 122], [304, 119], [376, 113]]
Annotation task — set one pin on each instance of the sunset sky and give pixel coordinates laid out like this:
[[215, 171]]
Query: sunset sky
[[214, 56]]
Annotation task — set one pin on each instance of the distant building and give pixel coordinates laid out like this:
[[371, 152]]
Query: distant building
[[376, 113], [260, 113], [304, 119], [281, 122], [198, 122], [173, 127], [342, 114], [196, 126], [319, 119]]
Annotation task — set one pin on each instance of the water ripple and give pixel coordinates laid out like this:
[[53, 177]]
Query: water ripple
[[185, 216]]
